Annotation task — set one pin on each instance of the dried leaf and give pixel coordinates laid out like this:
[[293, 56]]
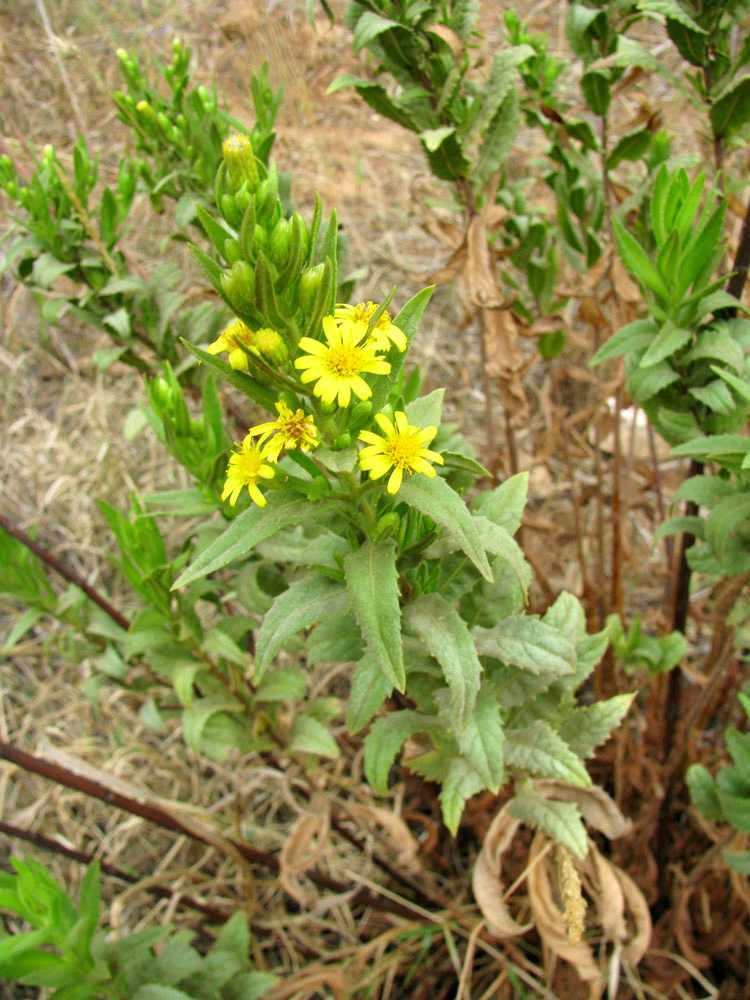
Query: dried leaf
[[596, 807], [505, 360], [478, 276], [548, 917], [399, 833], [302, 850], [448, 36], [625, 287], [307, 982], [487, 882]]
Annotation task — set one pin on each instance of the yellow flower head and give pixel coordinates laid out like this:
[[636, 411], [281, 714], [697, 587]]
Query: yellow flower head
[[290, 430], [245, 468], [402, 448], [383, 334], [230, 339], [337, 367]]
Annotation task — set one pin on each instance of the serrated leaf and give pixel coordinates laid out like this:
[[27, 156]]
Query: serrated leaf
[[311, 736], [738, 861], [407, 320], [481, 741], [459, 784], [436, 499], [447, 637], [561, 820], [630, 339], [637, 261], [306, 602], [703, 792], [282, 684], [156, 992], [195, 718], [498, 141], [252, 526], [426, 411], [716, 396], [372, 581], [527, 643], [730, 109], [589, 725], [645, 383], [497, 541], [667, 341], [505, 504], [539, 750], [502, 79], [370, 688], [384, 741]]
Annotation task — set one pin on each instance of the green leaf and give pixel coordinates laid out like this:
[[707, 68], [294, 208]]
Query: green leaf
[[645, 383], [718, 345], [407, 320], [311, 736], [176, 961], [596, 92], [502, 79], [630, 339], [436, 499], [498, 141], [668, 340], [119, 322], [305, 603], [738, 861], [715, 446], [540, 751], [372, 581], [637, 261], [156, 992], [195, 718], [282, 684], [726, 532], [252, 526], [632, 146], [370, 688], [447, 637], [527, 643], [740, 386], [369, 26], [505, 504], [704, 490], [427, 410], [561, 820], [730, 109], [703, 792], [47, 267], [500, 543], [247, 385], [588, 726], [701, 254], [481, 741], [210, 268], [459, 784], [384, 741], [715, 396], [671, 9]]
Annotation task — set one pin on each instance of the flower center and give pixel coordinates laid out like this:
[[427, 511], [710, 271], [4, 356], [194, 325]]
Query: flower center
[[402, 450], [344, 361], [249, 463]]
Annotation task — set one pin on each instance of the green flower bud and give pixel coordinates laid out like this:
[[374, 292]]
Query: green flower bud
[[163, 121], [280, 243], [242, 198], [301, 233], [240, 160], [145, 111], [232, 250], [260, 239], [329, 408], [342, 441], [238, 284], [360, 414], [197, 430], [309, 283], [160, 391], [388, 525], [271, 346], [230, 211]]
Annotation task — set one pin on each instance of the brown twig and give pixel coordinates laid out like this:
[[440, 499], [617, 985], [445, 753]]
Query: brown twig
[[64, 571], [160, 816]]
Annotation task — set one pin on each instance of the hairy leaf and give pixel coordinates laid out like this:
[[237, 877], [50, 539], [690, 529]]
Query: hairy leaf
[[372, 581]]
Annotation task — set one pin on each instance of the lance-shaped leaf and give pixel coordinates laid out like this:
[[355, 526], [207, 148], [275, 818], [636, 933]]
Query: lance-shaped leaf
[[370, 688], [504, 505], [527, 643], [309, 735], [539, 750], [373, 591], [249, 386], [635, 258], [561, 820], [252, 526], [436, 499], [500, 543], [498, 140], [589, 725], [384, 741], [447, 637], [407, 320], [461, 782], [481, 742], [306, 602]]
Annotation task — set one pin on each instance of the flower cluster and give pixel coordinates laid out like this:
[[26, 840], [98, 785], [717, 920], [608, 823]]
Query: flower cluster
[[255, 459], [355, 345]]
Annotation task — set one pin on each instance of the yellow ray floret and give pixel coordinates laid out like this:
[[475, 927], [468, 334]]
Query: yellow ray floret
[[337, 366], [383, 334], [290, 430], [245, 468], [402, 448], [230, 339]]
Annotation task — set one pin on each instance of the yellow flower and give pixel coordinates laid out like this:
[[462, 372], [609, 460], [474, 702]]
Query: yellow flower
[[337, 367], [229, 340], [290, 430], [383, 334], [402, 448], [245, 468]]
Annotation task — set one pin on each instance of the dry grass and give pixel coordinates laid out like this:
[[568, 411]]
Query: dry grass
[[61, 435]]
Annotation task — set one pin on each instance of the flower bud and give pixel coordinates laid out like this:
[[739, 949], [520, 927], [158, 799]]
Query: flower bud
[[238, 284], [301, 232], [309, 283], [342, 441], [145, 111], [163, 121], [260, 240], [388, 525], [232, 250], [160, 390], [280, 243], [360, 414], [271, 346], [230, 211], [240, 160], [197, 430]]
